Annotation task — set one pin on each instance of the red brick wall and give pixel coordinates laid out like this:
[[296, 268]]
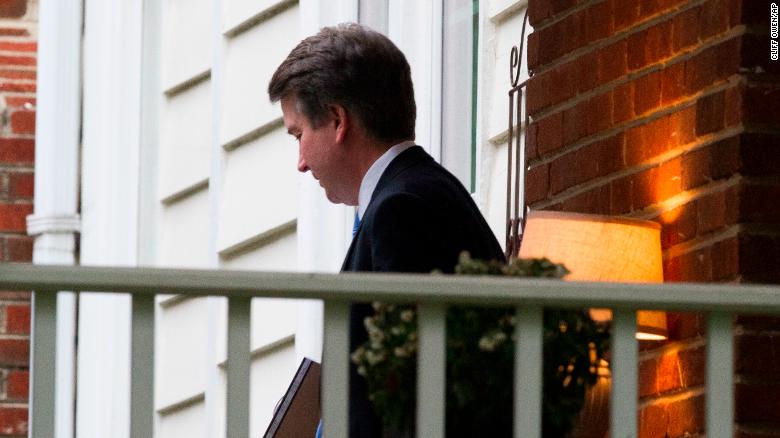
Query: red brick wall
[[17, 152], [669, 110]]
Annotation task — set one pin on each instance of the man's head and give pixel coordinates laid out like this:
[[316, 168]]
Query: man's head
[[343, 91], [354, 67]]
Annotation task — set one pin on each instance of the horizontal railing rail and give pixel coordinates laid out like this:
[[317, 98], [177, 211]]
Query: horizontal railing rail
[[419, 288], [431, 292]]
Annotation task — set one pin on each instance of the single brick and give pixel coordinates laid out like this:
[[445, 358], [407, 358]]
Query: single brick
[[710, 113], [13, 421], [18, 385], [537, 183], [680, 225], [14, 352], [612, 62], [13, 8], [625, 13], [19, 249], [23, 122], [17, 319], [17, 150], [711, 212], [13, 217], [598, 113], [647, 93], [623, 103], [21, 184], [621, 196], [673, 83], [550, 133], [725, 259]]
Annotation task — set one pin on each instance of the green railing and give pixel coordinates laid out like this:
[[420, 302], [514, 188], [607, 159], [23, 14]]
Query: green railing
[[432, 293]]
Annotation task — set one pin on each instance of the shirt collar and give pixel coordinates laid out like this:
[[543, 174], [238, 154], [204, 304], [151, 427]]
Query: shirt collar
[[371, 178]]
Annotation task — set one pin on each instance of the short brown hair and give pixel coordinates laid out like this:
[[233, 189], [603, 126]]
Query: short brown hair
[[356, 67]]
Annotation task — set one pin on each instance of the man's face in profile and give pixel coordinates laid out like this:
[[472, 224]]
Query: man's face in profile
[[318, 151]]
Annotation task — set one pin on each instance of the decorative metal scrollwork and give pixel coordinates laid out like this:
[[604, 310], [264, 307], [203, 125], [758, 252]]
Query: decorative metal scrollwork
[[515, 204]]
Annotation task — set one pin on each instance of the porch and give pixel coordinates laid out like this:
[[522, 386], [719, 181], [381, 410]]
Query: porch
[[431, 293]]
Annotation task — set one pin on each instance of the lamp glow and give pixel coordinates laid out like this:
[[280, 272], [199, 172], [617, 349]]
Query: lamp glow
[[601, 248]]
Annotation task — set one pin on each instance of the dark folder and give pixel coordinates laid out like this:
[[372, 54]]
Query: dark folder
[[298, 412]]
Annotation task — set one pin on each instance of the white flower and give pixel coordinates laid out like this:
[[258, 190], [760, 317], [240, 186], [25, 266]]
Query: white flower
[[486, 344], [374, 358], [407, 315], [376, 335], [362, 370], [357, 355], [401, 352]]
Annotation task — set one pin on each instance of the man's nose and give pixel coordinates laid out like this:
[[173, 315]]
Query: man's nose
[[302, 166]]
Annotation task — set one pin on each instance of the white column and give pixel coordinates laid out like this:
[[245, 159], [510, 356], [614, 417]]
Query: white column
[[56, 218], [416, 28], [110, 186], [324, 229]]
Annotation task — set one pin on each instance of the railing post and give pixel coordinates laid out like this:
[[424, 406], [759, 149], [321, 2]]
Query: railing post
[[529, 331], [238, 366], [335, 370], [720, 376], [43, 376], [431, 370], [142, 367], [623, 417]]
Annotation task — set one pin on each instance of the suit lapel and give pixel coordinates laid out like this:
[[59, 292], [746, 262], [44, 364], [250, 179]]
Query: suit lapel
[[406, 159]]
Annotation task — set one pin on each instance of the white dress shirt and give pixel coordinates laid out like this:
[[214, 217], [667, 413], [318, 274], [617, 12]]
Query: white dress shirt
[[371, 178]]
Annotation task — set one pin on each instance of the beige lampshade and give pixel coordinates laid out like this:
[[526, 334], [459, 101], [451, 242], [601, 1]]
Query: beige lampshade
[[601, 248]]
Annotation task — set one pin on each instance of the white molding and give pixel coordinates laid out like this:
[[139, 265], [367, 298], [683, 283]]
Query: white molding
[[410, 23], [56, 219], [261, 16], [57, 224], [113, 33]]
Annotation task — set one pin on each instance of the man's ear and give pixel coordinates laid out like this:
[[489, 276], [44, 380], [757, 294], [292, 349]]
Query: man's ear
[[341, 120]]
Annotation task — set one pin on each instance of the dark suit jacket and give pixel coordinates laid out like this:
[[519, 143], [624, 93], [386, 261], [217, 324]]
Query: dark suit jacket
[[419, 219]]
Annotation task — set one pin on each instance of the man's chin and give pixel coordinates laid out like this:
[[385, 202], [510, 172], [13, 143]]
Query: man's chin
[[335, 199]]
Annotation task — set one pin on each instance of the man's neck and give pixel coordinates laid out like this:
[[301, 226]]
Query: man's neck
[[371, 178]]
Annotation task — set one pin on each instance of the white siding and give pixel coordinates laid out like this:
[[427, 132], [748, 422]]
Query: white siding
[[260, 188], [226, 198], [271, 374], [184, 232], [251, 58], [184, 144], [272, 319], [186, 34], [188, 422], [182, 366]]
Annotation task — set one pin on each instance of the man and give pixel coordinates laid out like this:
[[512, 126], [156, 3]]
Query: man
[[347, 97]]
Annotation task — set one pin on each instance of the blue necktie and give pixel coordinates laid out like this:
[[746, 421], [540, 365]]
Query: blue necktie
[[355, 225]]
